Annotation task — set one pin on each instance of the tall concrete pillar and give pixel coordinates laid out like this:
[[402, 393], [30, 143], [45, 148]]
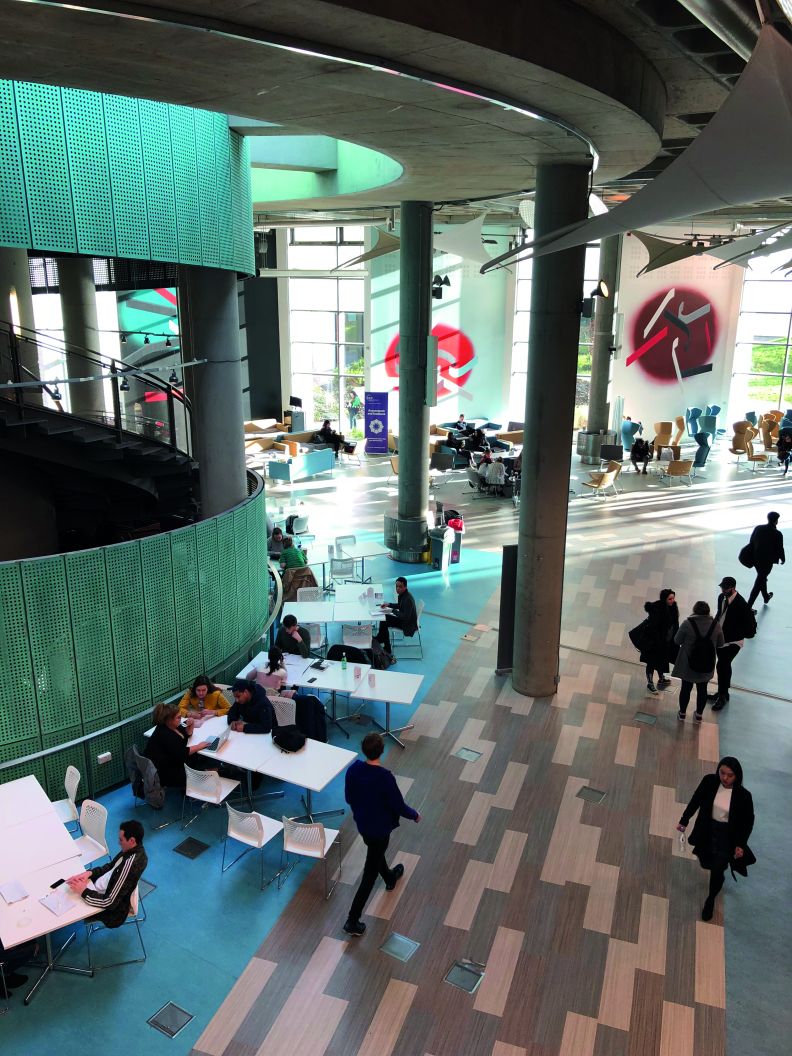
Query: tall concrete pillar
[[556, 293], [80, 333], [209, 320], [15, 277], [610, 251], [415, 322]]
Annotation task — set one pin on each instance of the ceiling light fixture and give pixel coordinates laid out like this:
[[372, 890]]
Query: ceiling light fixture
[[124, 386], [438, 282], [173, 378], [146, 340]]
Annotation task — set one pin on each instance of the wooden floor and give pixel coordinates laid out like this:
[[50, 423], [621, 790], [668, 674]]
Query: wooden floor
[[586, 915]]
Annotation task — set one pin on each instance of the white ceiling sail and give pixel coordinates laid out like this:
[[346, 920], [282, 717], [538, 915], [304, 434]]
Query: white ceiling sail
[[386, 243], [742, 156], [744, 250], [463, 240], [662, 252]]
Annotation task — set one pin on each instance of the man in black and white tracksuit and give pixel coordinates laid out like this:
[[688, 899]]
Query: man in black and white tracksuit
[[738, 623], [113, 901]]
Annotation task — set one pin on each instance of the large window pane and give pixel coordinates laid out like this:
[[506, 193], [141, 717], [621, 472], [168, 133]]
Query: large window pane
[[313, 258], [523, 297], [312, 235], [317, 358], [762, 328], [313, 326], [352, 324], [521, 325], [313, 294], [764, 392], [351, 295], [325, 395], [767, 297]]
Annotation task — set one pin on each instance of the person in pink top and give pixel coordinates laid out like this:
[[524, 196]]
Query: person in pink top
[[274, 676]]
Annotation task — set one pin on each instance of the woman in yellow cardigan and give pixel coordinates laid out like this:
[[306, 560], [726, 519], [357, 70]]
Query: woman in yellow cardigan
[[203, 700]]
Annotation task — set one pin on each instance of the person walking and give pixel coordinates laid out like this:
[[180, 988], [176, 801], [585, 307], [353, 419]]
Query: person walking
[[377, 804], [767, 549], [738, 623], [657, 648], [724, 823], [698, 638]]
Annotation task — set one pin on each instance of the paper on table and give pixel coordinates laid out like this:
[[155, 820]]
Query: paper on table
[[13, 891], [57, 902]]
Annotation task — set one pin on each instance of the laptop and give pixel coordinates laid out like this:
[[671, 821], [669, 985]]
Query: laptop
[[218, 742]]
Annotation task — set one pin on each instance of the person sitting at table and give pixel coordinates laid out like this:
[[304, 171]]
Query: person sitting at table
[[168, 746], [405, 617], [251, 711], [203, 700], [274, 676], [291, 556], [291, 638], [114, 898], [496, 475], [462, 426], [328, 435], [275, 543]]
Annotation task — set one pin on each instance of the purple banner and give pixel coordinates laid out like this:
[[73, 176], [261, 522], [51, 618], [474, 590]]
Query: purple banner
[[376, 423]]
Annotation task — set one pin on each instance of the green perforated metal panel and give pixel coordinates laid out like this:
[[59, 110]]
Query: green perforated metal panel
[[125, 154], [207, 187], [83, 118], [55, 768], [209, 586], [160, 627], [133, 732], [257, 556], [241, 204], [16, 664], [49, 631], [188, 611], [228, 596], [155, 134], [46, 167], [36, 768], [128, 623], [104, 775], [242, 574], [14, 227], [224, 200], [188, 221], [93, 646]]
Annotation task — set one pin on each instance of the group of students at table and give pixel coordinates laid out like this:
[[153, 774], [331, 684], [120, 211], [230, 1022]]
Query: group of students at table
[[282, 546]]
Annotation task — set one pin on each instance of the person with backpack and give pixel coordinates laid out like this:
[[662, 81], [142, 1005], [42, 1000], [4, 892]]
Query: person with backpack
[[738, 623], [698, 638], [767, 549]]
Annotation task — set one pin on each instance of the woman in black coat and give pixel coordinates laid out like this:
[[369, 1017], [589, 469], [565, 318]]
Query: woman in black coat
[[657, 650], [724, 823]]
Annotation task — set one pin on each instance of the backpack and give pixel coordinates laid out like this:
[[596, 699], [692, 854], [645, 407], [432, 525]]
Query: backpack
[[749, 629], [288, 738], [379, 658], [702, 656], [144, 778]]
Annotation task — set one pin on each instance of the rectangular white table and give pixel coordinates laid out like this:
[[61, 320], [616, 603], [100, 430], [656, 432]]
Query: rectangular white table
[[333, 679], [22, 800], [350, 592], [309, 611], [391, 687], [360, 551], [34, 844], [294, 664], [357, 612]]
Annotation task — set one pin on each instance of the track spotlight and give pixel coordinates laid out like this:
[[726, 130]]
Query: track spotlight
[[55, 395], [146, 340], [167, 342], [173, 378], [123, 338], [124, 386], [601, 289], [438, 282]]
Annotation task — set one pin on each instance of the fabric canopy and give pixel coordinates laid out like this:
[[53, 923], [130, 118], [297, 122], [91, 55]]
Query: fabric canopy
[[386, 243], [463, 240], [743, 155]]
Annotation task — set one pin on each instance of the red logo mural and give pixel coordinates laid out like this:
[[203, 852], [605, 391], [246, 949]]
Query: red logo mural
[[456, 357], [674, 334]]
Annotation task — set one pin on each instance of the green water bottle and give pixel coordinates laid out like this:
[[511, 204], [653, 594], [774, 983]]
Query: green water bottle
[[343, 661]]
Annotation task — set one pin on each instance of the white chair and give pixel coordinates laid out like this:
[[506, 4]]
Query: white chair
[[341, 569], [310, 594], [318, 636], [311, 841], [205, 786], [357, 634], [135, 916], [398, 637], [66, 809], [285, 710], [300, 525], [92, 845], [255, 831], [340, 543]]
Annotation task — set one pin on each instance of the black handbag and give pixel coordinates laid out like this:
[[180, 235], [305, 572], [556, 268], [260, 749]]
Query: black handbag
[[745, 556], [639, 634], [289, 738]]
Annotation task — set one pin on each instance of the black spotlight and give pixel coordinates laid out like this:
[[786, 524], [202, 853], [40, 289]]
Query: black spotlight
[[174, 378], [167, 342], [55, 395], [438, 282], [146, 340], [123, 338], [124, 386]]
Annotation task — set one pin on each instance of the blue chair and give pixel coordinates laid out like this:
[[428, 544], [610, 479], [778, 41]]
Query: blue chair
[[714, 409], [460, 461], [692, 415], [707, 423], [750, 416], [704, 441], [786, 421], [628, 432]]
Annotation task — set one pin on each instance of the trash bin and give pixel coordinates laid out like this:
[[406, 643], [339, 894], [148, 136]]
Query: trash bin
[[456, 548], [589, 445], [441, 541]]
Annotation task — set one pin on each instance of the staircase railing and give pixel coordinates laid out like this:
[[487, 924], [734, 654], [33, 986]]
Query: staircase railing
[[20, 346]]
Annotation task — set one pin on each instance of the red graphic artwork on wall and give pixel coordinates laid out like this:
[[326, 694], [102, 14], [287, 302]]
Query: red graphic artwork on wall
[[673, 335], [455, 359]]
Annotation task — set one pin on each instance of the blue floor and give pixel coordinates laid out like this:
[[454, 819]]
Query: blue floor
[[203, 926]]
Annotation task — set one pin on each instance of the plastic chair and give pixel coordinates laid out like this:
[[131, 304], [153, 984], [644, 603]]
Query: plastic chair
[[310, 841], [358, 635], [394, 462], [255, 831], [310, 594], [92, 845], [66, 809], [607, 480], [205, 786], [679, 422], [135, 916], [677, 468], [628, 432], [704, 441], [318, 636], [285, 710], [692, 417], [398, 637], [740, 438], [750, 416], [299, 526], [342, 569], [755, 461]]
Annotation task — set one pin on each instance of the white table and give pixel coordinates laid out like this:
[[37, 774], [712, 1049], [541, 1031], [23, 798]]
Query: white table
[[22, 800], [357, 612], [350, 592], [333, 679], [392, 687], [309, 611], [294, 664], [312, 768], [34, 844], [360, 551]]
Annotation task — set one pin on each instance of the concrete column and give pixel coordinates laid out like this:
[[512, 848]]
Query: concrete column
[[556, 293], [15, 276], [80, 333], [415, 323], [610, 252], [209, 321]]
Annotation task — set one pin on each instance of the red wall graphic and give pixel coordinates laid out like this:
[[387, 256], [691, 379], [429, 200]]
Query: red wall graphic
[[674, 334], [456, 357]]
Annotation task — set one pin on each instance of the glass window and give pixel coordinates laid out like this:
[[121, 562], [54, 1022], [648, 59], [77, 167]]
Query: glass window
[[313, 295], [767, 297], [762, 328], [313, 258], [765, 390], [350, 295], [313, 326], [313, 236]]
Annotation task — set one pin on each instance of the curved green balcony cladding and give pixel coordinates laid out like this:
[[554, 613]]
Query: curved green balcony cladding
[[104, 175], [92, 637]]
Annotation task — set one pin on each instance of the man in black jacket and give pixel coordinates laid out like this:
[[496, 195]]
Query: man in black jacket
[[738, 623], [292, 638], [767, 544], [251, 711], [112, 903], [405, 617]]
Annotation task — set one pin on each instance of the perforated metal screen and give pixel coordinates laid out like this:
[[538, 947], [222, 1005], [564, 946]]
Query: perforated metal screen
[[83, 116], [93, 646], [14, 227]]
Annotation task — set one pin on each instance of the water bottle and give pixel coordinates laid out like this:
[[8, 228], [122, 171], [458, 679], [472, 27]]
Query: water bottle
[[343, 662]]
